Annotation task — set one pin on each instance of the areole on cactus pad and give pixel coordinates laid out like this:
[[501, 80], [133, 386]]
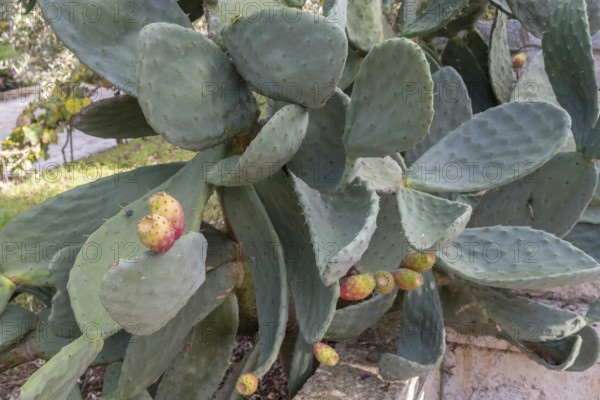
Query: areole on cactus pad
[[355, 164]]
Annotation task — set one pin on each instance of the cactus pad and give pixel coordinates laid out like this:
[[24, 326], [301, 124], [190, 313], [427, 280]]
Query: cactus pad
[[354, 319], [429, 222], [117, 239], [321, 159], [277, 56], [388, 246], [500, 61], [269, 151], [148, 357], [480, 155], [551, 199], [264, 252], [452, 108], [304, 276], [422, 336], [143, 294], [434, 16], [202, 362], [48, 226], [341, 225], [516, 258], [55, 379], [364, 26], [372, 126], [104, 37], [216, 99], [570, 67], [118, 117]]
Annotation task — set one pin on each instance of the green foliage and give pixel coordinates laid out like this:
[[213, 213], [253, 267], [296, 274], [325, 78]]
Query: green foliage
[[316, 191]]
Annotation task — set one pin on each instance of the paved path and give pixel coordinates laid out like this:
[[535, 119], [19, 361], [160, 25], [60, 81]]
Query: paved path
[[83, 145]]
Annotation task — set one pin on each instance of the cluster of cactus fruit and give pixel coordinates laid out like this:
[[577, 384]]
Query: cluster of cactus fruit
[[359, 287], [379, 154]]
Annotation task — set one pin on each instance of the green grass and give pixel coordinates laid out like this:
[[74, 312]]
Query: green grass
[[16, 198], [7, 51]]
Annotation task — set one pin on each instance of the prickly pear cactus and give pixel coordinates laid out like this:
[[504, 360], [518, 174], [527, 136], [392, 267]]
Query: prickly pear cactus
[[378, 164]]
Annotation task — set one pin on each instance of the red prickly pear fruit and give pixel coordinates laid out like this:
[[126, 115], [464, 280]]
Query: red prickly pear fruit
[[357, 287], [384, 282], [419, 262], [519, 60], [325, 354], [407, 279], [247, 384], [166, 205], [156, 233]]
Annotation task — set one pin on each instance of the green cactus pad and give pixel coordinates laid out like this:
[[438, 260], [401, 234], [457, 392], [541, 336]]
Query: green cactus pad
[[15, 323], [422, 336], [372, 126], [534, 85], [452, 108], [468, 60], [556, 355], [276, 63], [111, 378], [429, 222], [463, 313], [61, 314], [7, 288], [433, 59], [351, 321], [364, 26], [118, 117], [302, 365], [584, 236], [436, 15], [591, 350], [117, 239], [269, 151], [516, 258], [409, 11], [304, 276], [388, 246], [336, 11], [480, 155], [201, 364], [321, 159], [67, 218], [145, 293], [340, 225], [264, 252], [55, 379], [551, 199], [75, 394], [466, 19], [384, 174], [525, 319], [351, 69], [222, 13], [45, 342], [500, 60], [536, 15], [148, 357], [570, 67], [104, 39], [216, 104]]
